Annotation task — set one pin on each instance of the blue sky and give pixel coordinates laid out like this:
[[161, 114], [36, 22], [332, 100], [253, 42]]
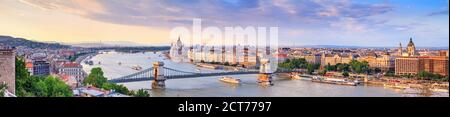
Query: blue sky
[[301, 22]]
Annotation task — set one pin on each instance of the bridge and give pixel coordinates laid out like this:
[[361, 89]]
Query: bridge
[[158, 73]]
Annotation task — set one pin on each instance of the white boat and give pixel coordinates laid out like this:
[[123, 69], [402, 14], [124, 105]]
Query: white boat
[[136, 67], [439, 90], [295, 76], [230, 80]]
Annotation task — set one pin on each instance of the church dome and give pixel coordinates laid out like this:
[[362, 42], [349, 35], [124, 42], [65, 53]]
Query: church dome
[[411, 43]]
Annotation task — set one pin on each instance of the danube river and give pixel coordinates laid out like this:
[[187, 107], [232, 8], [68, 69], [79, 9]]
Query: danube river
[[120, 64]]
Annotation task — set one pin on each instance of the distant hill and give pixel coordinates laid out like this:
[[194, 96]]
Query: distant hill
[[107, 44], [15, 42]]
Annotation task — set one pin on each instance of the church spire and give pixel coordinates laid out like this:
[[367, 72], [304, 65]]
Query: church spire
[[400, 50]]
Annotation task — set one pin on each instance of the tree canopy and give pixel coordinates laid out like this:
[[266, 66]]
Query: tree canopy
[[38, 86]]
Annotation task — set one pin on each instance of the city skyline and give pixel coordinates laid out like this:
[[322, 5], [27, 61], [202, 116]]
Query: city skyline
[[307, 22]]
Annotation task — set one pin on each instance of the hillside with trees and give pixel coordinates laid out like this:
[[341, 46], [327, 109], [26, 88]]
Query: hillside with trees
[[15, 42]]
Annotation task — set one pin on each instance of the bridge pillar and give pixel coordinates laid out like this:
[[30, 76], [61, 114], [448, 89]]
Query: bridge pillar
[[265, 73], [158, 72]]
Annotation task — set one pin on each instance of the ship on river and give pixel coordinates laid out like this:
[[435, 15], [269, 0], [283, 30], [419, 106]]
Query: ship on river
[[230, 80], [337, 81]]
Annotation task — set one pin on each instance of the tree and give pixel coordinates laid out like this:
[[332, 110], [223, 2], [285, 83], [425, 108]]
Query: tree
[[95, 78], [38, 86], [330, 67], [323, 72], [142, 93], [345, 74], [342, 67], [53, 87], [3, 87], [117, 88], [310, 68], [377, 70], [359, 67], [226, 63]]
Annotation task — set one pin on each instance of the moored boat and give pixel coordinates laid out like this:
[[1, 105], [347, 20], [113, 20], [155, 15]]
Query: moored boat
[[230, 80], [334, 81], [136, 67], [396, 86]]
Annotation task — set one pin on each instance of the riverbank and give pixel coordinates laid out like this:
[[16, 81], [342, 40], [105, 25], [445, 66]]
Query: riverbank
[[408, 87], [426, 87]]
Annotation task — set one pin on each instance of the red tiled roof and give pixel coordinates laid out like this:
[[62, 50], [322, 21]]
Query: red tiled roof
[[281, 55], [70, 65], [29, 65]]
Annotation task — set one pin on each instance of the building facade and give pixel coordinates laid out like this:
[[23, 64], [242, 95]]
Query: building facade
[[8, 69], [406, 65], [414, 65], [314, 59], [41, 68], [333, 59], [383, 62], [72, 69]]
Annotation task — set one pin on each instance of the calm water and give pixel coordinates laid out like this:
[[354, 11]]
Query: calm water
[[212, 87]]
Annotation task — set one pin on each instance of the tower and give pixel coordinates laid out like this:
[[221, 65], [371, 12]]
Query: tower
[[400, 50], [245, 54], [211, 55], [234, 55], [179, 46], [411, 49]]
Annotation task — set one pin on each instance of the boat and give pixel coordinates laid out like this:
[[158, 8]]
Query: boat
[[136, 67], [295, 76], [89, 62], [396, 86], [230, 80], [439, 90], [334, 81]]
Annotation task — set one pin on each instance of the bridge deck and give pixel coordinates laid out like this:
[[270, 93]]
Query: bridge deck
[[147, 74]]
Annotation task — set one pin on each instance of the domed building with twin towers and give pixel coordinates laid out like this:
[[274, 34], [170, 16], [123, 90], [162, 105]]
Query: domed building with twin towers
[[410, 49]]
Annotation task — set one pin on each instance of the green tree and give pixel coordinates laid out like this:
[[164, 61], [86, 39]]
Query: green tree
[[323, 72], [226, 63], [330, 67], [377, 70], [3, 87], [142, 93], [343, 67], [310, 68], [38, 86], [345, 74], [95, 78], [56, 88], [359, 67], [117, 88]]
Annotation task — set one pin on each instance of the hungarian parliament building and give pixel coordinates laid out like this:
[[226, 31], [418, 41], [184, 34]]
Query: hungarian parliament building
[[232, 55]]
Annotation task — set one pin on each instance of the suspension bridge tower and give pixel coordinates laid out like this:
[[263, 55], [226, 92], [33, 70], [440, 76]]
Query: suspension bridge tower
[[265, 72], [159, 79]]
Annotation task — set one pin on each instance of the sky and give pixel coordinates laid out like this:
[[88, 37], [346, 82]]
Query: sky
[[375, 23]]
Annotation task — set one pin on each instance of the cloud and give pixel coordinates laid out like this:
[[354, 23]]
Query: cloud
[[216, 12], [436, 13], [78, 7]]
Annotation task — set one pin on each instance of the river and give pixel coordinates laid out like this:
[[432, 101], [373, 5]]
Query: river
[[212, 87]]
